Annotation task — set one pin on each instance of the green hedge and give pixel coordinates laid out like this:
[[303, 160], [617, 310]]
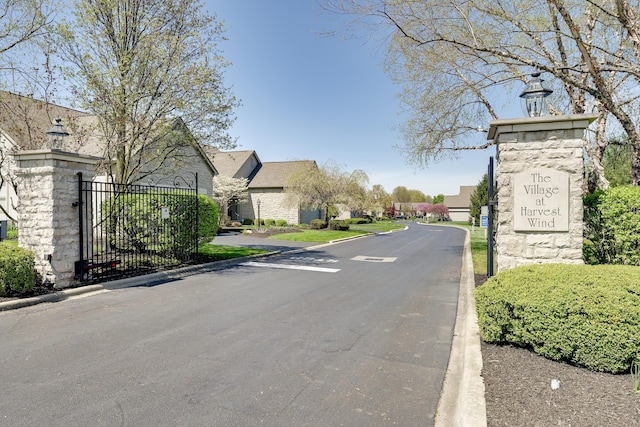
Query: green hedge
[[17, 270], [317, 224], [281, 222], [338, 224], [358, 221], [585, 315], [134, 221]]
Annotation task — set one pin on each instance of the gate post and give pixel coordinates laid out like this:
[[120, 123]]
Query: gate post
[[540, 174], [48, 210]]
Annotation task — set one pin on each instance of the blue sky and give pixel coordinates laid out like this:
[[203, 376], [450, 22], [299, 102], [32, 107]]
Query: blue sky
[[307, 96]]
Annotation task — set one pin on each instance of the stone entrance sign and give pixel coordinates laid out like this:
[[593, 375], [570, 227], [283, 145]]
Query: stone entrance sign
[[540, 179], [541, 200]]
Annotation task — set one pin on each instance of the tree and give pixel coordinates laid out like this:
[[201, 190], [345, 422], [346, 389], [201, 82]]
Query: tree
[[314, 187], [401, 194], [227, 190], [479, 198], [22, 22], [418, 196], [439, 199], [24, 26], [617, 164], [378, 200], [454, 57], [437, 210], [139, 65]]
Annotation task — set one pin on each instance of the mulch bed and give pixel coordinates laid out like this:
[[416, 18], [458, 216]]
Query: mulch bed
[[518, 391]]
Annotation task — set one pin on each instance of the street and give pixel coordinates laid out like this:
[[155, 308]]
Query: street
[[353, 334]]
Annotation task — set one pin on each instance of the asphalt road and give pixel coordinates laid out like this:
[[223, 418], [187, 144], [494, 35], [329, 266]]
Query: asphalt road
[[353, 334]]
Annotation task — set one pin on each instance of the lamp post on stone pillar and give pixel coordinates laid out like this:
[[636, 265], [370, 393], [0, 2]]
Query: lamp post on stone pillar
[[539, 179], [48, 209], [534, 97], [57, 135]]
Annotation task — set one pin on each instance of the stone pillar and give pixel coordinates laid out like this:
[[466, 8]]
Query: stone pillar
[[47, 211], [539, 174]]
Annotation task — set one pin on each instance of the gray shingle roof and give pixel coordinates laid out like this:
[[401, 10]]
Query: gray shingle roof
[[230, 163]]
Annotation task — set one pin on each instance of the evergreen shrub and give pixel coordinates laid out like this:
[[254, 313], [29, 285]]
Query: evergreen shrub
[[17, 270], [281, 223], [134, 221], [338, 224], [247, 221], [585, 315], [358, 221], [317, 224], [269, 222]]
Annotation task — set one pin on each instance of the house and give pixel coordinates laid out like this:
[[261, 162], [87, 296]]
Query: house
[[267, 199], [266, 193], [24, 123], [459, 204]]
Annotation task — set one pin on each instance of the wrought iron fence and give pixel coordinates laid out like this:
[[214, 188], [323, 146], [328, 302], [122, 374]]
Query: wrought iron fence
[[129, 230]]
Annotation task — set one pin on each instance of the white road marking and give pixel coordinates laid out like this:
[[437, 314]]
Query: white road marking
[[290, 267], [374, 258]]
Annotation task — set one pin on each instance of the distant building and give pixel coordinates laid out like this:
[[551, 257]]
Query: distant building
[[459, 204]]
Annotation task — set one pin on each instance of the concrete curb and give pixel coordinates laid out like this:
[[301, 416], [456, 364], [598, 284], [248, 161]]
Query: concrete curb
[[462, 401]]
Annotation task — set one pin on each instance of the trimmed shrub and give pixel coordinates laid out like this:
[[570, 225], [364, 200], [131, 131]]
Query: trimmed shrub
[[338, 224], [358, 221], [134, 221], [281, 223], [208, 211], [317, 224], [17, 270], [247, 221], [585, 315], [269, 222]]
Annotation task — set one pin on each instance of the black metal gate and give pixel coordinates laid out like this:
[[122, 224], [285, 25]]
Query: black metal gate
[[130, 230]]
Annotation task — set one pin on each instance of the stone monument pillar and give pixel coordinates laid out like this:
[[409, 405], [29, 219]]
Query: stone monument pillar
[[48, 212], [539, 174]]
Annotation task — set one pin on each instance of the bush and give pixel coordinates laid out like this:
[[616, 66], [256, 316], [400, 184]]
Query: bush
[[135, 222], [17, 270], [269, 222], [317, 224], [358, 221], [281, 223], [612, 221], [247, 221], [585, 315], [338, 224]]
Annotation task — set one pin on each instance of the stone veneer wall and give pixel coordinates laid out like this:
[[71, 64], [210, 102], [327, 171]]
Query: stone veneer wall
[[273, 205], [539, 144], [47, 218]]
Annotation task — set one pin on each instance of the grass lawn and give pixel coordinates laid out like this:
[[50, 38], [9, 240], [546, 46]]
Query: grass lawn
[[478, 246], [378, 226], [318, 236], [325, 236], [228, 252]]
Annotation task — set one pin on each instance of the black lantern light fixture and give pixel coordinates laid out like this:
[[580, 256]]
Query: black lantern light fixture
[[57, 135], [534, 103]]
